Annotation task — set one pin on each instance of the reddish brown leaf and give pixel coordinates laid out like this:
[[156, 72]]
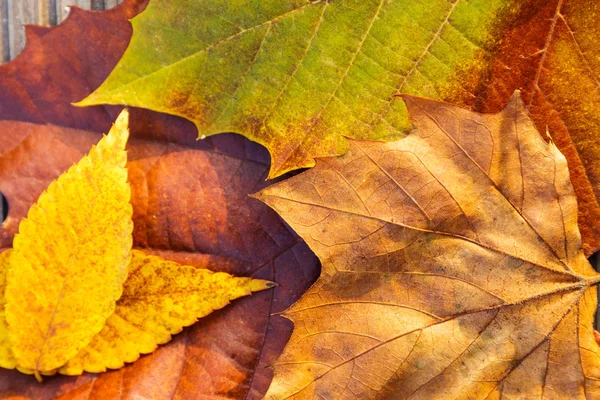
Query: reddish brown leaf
[[190, 205]]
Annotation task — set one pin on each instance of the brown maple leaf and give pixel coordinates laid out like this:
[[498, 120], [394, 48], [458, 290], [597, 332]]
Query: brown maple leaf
[[190, 205], [452, 267]]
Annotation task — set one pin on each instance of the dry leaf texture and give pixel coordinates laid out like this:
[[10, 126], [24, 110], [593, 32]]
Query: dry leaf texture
[[550, 53], [159, 298], [70, 257], [452, 267], [7, 358]]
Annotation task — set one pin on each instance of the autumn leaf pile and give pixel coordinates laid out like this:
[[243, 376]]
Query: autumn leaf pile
[[76, 297], [434, 248]]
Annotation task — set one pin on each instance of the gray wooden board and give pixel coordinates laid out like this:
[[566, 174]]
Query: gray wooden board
[[15, 14]]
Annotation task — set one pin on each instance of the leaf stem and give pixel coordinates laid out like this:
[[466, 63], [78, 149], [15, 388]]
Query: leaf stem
[[593, 280]]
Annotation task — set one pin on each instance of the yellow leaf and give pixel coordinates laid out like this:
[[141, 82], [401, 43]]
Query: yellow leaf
[[160, 297], [7, 359], [70, 257]]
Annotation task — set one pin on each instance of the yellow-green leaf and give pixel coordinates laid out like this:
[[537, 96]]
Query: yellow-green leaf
[[299, 76], [160, 297], [70, 257]]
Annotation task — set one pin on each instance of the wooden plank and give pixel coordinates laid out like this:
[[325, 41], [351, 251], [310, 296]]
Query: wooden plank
[[87, 4], [52, 13], [26, 14], [4, 39], [97, 4], [62, 8], [15, 14], [43, 13], [10, 28]]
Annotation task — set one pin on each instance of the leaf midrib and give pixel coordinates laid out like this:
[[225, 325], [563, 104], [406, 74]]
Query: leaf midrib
[[431, 231]]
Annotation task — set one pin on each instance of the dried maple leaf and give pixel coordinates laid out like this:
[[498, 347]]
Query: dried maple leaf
[[301, 76], [549, 54], [70, 257], [222, 229], [452, 267]]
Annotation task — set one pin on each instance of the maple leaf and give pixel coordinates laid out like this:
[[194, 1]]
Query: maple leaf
[[548, 56], [302, 76], [70, 257], [452, 266]]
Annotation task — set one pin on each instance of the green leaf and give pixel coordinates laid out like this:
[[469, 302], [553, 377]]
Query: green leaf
[[297, 76]]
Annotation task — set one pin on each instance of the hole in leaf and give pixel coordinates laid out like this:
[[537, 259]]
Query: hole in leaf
[[3, 208]]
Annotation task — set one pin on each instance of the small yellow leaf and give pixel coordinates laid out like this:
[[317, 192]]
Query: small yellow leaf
[[160, 297], [70, 257]]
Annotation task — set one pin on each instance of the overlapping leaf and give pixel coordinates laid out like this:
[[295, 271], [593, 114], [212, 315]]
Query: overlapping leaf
[[452, 267], [222, 229], [159, 299], [299, 77], [70, 257]]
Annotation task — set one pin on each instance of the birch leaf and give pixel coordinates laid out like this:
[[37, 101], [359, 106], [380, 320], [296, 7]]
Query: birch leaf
[[159, 298], [70, 257]]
